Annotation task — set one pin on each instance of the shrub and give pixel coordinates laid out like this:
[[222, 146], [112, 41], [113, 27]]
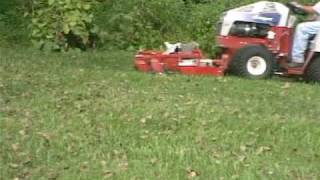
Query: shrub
[[60, 24], [13, 29], [139, 23], [147, 24], [124, 24]]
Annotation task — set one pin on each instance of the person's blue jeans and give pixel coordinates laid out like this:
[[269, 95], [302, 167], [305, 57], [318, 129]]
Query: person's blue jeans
[[303, 32]]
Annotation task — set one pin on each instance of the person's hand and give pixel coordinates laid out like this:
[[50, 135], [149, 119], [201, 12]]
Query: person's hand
[[297, 8], [295, 4]]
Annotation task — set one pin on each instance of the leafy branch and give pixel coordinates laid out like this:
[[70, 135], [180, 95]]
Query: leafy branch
[[63, 24]]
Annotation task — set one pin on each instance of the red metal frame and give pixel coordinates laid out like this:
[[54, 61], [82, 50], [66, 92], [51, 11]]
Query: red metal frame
[[279, 45], [157, 61]]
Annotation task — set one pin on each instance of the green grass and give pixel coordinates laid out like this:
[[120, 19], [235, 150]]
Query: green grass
[[92, 116]]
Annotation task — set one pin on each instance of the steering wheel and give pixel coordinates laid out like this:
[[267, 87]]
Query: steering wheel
[[295, 9]]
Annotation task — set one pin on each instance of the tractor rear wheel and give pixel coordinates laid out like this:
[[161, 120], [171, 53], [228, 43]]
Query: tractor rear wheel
[[253, 62], [312, 73]]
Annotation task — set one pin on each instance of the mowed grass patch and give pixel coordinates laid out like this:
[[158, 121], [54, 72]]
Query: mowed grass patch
[[92, 116]]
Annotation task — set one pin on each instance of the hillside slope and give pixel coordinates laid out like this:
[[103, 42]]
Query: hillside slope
[[92, 116]]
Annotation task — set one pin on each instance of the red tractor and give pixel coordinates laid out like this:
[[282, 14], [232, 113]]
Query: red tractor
[[255, 42]]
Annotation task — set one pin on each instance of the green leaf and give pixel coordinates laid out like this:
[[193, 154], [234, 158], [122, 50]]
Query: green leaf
[[41, 25], [94, 30], [50, 36], [85, 39], [62, 16], [34, 20], [66, 28], [73, 23], [35, 33], [51, 2], [79, 5], [87, 7]]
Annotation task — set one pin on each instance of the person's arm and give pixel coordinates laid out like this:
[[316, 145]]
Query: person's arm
[[306, 8], [309, 9]]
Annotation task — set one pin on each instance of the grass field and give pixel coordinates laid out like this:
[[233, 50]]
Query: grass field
[[92, 116]]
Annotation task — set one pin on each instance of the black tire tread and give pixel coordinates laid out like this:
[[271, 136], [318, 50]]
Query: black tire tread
[[313, 70]]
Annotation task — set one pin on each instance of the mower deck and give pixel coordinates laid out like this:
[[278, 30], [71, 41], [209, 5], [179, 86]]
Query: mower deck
[[187, 63]]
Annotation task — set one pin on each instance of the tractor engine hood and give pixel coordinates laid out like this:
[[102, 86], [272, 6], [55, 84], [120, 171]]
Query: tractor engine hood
[[263, 12]]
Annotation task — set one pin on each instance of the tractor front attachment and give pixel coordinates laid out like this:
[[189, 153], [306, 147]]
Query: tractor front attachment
[[184, 62]]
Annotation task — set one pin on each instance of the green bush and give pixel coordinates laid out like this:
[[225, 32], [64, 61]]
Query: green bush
[[13, 26], [139, 23], [59, 24], [124, 24], [147, 24]]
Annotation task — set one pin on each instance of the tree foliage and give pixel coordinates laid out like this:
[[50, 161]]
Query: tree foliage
[[123, 24], [60, 24], [12, 23], [147, 24]]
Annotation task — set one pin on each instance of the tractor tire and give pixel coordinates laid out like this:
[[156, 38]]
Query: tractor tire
[[252, 62], [312, 73]]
